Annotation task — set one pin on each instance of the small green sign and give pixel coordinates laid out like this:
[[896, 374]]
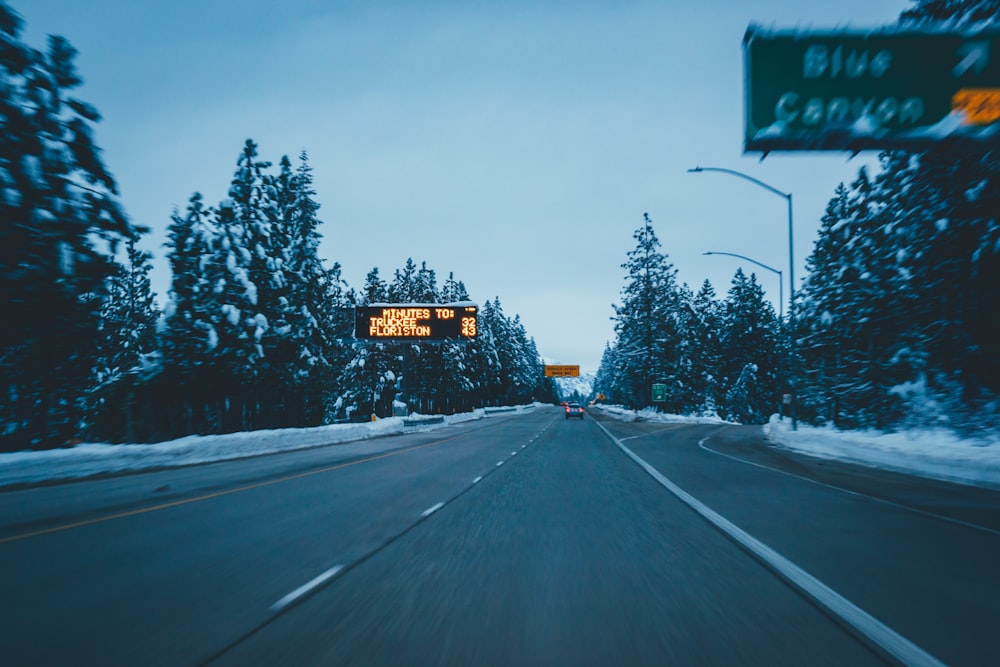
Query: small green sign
[[659, 393], [869, 90]]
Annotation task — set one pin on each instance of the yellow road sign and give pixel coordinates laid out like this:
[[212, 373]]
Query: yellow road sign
[[562, 371]]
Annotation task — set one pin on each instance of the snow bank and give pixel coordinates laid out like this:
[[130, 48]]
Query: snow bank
[[87, 460], [933, 453], [650, 414]]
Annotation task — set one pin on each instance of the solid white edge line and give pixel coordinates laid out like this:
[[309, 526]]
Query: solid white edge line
[[431, 510], [858, 494], [305, 588], [882, 635]]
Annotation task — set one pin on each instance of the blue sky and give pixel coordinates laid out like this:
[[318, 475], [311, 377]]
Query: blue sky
[[516, 144]]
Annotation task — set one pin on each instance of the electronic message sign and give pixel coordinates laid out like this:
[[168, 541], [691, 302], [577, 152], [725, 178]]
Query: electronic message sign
[[416, 321], [880, 90]]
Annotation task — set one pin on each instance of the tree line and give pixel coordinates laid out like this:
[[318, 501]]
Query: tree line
[[257, 331], [896, 324], [724, 358]]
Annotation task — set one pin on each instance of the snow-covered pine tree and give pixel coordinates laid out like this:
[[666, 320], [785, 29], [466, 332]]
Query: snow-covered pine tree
[[186, 337], [751, 359], [402, 289], [367, 383], [942, 229], [647, 323], [229, 306], [518, 377], [62, 223], [301, 342], [126, 352], [453, 291], [704, 352], [484, 360], [457, 358], [423, 363], [606, 379], [375, 289]]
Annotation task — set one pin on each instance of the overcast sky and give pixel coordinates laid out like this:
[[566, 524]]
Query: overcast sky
[[516, 144]]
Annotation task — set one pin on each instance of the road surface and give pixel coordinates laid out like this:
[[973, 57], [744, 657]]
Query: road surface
[[520, 539]]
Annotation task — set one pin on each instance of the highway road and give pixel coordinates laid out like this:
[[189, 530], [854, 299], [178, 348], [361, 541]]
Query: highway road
[[520, 539]]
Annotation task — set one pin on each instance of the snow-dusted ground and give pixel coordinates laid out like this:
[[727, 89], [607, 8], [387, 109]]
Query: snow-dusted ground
[[936, 454], [87, 459]]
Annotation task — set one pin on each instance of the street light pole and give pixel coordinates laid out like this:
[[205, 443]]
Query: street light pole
[[791, 263], [781, 285]]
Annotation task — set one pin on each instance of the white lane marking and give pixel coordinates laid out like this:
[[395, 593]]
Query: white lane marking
[[499, 463], [305, 588], [513, 453], [898, 646], [477, 480], [431, 510], [523, 446], [933, 515]]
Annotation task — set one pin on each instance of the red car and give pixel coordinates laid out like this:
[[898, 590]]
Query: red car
[[574, 410]]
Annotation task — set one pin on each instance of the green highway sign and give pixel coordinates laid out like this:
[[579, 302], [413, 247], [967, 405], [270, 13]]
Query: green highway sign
[[659, 392], [869, 90]]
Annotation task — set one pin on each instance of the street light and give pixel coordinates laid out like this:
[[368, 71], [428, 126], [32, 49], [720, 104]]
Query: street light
[[791, 260], [781, 289]]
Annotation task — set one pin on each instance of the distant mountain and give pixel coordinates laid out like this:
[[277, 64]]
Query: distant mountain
[[578, 388]]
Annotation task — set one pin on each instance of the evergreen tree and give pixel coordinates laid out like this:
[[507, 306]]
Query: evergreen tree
[[751, 363], [484, 359], [62, 224], [375, 289], [705, 352], [403, 286], [606, 380], [453, 291], [303, 339], [367, 383], [647, 324], [458, 358], [424, 364], [127, 349], [186, 337]]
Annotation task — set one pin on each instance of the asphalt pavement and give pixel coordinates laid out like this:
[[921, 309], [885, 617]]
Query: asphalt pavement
[[522, 539]]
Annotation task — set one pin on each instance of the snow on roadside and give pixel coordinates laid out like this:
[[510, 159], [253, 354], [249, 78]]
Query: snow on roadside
[[90, 459], [929, 453], [937, 454], [650, 414]]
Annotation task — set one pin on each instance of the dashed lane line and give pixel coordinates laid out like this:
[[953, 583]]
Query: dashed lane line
[[306, 587], [430, 510]]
